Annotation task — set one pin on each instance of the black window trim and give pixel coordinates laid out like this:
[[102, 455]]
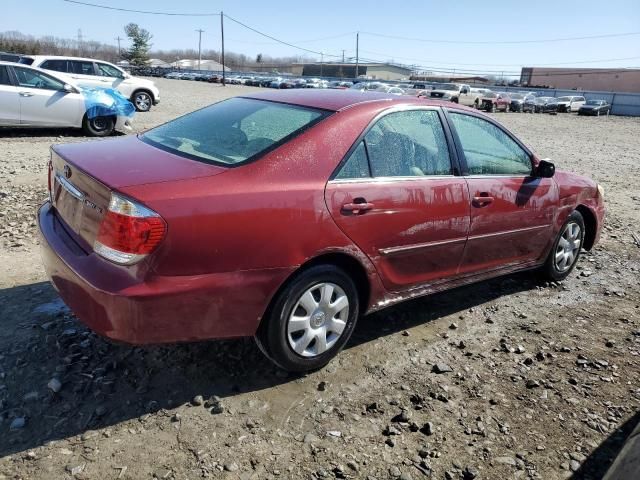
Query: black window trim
[[12, 76], [453, 156], [460, 150]]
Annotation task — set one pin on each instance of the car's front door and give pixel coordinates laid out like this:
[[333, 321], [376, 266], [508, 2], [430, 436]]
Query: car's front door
[[397, 197], [44, 102], [9, 99], [512, 211]]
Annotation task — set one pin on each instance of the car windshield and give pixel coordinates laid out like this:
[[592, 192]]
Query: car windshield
[[233, 131], [491, 95], [447, 86], [564, 99], [517, 96], [594, 102]]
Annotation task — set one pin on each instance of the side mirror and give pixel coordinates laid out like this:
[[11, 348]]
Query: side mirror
[[69, 88], [545, 169]]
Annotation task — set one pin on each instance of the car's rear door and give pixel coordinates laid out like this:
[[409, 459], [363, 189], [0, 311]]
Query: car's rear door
[[398, 197], [44, 102], [84, 74], [9, 99], [511, 210]]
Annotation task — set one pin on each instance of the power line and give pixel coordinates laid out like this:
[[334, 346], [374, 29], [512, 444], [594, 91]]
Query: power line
[[277, 39], [502, 42], [107, 7]]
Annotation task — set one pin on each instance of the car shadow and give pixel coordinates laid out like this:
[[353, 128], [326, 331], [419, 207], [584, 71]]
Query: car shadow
[[597, 464], [103, 383]]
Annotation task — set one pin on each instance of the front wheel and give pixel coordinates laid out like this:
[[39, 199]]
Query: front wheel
[[98, 126], [566, 248], [569, 109], [310, 320]]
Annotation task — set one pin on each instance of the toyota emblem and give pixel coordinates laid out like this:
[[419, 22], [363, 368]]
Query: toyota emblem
[[67, 171]]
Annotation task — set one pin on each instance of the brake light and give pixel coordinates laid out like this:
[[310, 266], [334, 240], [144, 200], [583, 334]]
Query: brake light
[[128, 232]]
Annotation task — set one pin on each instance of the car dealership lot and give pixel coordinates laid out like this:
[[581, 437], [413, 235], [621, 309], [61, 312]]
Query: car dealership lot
[[541, 375]]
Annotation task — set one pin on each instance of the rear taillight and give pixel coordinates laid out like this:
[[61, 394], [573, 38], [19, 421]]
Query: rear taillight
[[128, 232]]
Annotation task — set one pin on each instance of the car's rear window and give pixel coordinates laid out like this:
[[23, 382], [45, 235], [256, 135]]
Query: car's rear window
[[234, 131]]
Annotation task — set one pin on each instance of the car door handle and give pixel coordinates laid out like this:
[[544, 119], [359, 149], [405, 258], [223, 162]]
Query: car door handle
[[104, 80], [26, 94], [482, 200], [356, 208]]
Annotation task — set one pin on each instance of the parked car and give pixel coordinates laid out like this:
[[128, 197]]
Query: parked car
[[570, 103], [456, 93], [595, 107], [541, 103], [492, 101], [9, 57], [549, 106], [518, 101], [340, 85], [35, 98], [529, 104], [132, 265], [87, 72]]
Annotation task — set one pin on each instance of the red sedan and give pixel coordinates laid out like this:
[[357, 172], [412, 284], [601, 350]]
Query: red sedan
[[287, 215]]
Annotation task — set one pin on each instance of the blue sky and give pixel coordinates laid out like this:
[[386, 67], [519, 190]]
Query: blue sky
[[329, 26]]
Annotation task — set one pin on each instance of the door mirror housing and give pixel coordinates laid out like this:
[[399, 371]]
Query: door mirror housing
[[545, 169], [69, 88]]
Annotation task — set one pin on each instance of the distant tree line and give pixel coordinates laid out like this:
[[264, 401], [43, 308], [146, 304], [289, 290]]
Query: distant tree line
[[137, 53]]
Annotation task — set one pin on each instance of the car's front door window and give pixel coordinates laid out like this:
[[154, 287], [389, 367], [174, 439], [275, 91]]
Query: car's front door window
[[488, 150], [105, 70], [32, 79], [408, 144]]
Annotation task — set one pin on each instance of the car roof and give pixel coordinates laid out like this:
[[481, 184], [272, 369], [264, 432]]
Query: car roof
[[336, 100]]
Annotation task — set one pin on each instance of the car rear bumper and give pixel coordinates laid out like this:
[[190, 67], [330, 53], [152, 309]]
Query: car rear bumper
[[110, 300]]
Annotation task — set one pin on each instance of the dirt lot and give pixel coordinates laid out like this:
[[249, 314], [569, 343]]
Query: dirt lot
[[545, 379]]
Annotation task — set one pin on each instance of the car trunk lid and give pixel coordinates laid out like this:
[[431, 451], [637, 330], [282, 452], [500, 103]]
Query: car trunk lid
[[83, 175]]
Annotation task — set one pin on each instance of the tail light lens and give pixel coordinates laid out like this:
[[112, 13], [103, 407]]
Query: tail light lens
[[128, 232]]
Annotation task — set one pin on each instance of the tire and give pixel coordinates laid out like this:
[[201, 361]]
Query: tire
[[491, 108], [99, 126], [142, 100], [568, 109], [301, 350], [454, 100], [563, 257]]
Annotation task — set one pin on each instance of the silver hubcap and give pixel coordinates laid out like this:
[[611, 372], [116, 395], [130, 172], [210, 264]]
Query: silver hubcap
[[99, 123], [568, 247], [143, 101], [318, 319]]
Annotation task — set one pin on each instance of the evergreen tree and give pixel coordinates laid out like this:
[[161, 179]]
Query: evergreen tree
[[138, 53]]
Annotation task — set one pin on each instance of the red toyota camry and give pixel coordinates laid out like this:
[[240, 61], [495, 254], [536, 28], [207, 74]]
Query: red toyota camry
[[287, 215]]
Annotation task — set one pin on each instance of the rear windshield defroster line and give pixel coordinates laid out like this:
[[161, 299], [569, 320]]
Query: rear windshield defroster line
[[233, 132]]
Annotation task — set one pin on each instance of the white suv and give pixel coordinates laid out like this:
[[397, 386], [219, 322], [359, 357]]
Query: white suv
[[87, 72]]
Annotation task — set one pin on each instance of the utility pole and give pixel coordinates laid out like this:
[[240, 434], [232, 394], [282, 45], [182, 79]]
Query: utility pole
[[118, 38], [321, 62], [199, 46], [342, 56], [80, 42], [357, 52], [224, 80]]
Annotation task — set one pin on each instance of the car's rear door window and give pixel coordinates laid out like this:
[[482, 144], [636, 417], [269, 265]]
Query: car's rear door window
[[233, 131], [410, 143], [5, 79], [488, 150], [82, 67]]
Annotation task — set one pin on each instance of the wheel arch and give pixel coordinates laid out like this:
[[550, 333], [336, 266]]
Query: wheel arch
[[590, 224], [347, 262], [142, 89]]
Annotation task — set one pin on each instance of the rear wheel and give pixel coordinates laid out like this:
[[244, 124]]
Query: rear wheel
[[566, 249], [569, 109], [310, 320], [142, 101], [98, 126]]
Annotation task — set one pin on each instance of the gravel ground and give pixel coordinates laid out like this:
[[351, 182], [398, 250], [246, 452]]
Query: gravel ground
[[540, 380]]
